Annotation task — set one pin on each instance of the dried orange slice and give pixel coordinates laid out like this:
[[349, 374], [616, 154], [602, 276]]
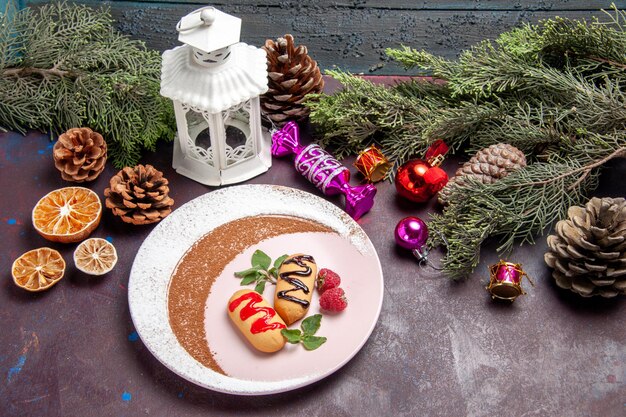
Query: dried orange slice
[[38, 269], [95, 256], [68, 214]]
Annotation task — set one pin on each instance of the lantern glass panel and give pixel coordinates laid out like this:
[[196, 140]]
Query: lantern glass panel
[[239, 140], [200, 136]]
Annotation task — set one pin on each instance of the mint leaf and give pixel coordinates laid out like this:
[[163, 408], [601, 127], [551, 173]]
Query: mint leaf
[[260, 259], [312, 342], [260, 271], [278, 262], [292, 335], [245, 272], [248, 279], [311, 324], [260, 287]]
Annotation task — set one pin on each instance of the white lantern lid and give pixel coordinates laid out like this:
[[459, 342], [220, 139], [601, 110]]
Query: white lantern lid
[[209, 29], [242, 77]]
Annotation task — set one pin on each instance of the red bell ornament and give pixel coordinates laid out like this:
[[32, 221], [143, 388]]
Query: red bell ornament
[[419, 180]]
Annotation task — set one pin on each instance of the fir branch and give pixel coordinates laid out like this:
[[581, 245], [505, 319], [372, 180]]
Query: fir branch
[[572, 39], [534, 127], [512, 209], [584, 171], [517, 207], [42, 72], [64, 66], [364, 112], [412, 58], [12, 24], [554, 90]]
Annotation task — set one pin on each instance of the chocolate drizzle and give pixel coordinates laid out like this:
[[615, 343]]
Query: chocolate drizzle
[[291, 277]]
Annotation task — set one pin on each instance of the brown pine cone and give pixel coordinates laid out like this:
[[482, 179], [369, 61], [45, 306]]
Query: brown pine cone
[[139, 195], [487, 166], [292, 74], [588, 251], [80, 154]]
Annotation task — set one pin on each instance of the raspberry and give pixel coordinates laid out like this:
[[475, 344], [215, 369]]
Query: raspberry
[[327, 279], [334, 300]]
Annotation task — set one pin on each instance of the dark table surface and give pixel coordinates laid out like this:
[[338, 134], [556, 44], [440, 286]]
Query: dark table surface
[[439, 347]]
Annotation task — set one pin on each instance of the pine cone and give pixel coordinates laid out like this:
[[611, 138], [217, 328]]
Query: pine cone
[[487, 166], [80, 154], [292, 75], [588, 252], [139, 195]]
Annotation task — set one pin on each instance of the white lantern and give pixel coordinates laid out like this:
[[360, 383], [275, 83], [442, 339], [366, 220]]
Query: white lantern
[[215, 82]]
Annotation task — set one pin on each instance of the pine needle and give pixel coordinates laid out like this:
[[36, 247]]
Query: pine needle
[[64, 66], [554, 90]]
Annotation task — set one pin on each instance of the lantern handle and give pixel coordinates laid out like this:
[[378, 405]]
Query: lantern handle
[[207, 17]]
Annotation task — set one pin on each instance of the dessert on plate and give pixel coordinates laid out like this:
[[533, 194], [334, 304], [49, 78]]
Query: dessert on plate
[[256, 320], [294, 287]]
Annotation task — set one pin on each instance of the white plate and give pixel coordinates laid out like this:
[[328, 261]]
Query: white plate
[[348, 251]]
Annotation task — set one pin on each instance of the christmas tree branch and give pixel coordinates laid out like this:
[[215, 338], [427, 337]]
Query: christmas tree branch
[[608, 61], [619, 153], [521, 205], [43, 72], [554, 90], [64, 66], [515, 208]]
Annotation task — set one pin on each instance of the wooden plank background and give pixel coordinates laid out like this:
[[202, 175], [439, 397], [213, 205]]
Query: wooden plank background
[[352, 35]]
